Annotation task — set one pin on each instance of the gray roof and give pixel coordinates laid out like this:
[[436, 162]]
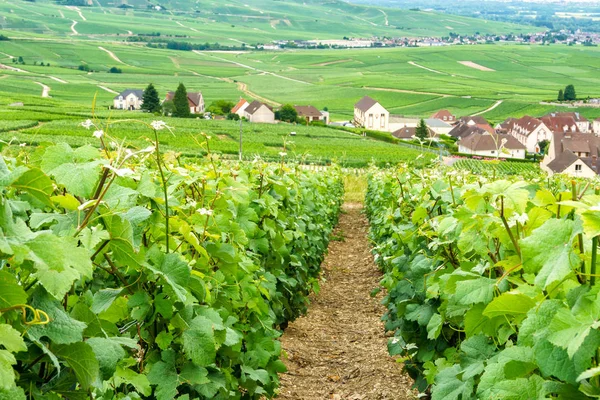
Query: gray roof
[[365, 104], [464, 130], [487, 141], [409, 133], [138, 92], [567, 144], [254, 106], [436, 123]]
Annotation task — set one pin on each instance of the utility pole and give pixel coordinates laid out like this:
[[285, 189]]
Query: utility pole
[[240, 154]]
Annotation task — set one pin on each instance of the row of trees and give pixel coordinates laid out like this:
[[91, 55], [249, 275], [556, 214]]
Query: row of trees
[[568, 94], [178, 107]]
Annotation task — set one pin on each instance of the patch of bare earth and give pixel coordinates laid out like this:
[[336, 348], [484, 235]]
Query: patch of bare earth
[[471, 64], [339, 349]]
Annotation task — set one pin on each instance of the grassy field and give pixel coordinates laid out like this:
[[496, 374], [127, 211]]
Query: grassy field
[[523, 76], [262, 21], [408, 81], [310, 144]]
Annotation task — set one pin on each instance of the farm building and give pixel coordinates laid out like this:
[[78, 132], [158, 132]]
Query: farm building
[[528, 130], [195, 101], [491, 145], [259, 112], [572, 153], [130, 99], [444, 115], [311, 114], [369, 114]]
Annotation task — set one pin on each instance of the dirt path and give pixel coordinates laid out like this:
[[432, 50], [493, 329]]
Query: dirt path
[[339, 350], [73, 28], [56, 79], [45, 89], [496, 104], [387, 21], [112, 55], [107, 89], [8, 67], [407, 91], [425, 68], [244, 88], [252, 68], [78, 11]]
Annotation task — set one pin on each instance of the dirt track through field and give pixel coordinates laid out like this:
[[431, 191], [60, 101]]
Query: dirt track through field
[[339, 349], [111, 54]]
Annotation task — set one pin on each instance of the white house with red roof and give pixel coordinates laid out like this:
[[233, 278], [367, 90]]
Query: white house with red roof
[[528, 130], [444, 115], [240, 108]]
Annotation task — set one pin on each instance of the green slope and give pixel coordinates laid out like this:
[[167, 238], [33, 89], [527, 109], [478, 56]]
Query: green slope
[[259, 21]]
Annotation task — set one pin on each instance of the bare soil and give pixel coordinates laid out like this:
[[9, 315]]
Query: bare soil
[[339, 349], [471, 64]]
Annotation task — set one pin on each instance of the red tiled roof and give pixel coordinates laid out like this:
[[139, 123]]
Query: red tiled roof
[[443, 113], [238, 105]]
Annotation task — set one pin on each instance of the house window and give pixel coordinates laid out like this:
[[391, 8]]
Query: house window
[[370, 120], [493, 152], [445, 118], [383, 120], [578, 167]]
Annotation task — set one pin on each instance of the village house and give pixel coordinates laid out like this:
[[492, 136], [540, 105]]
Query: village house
[[195, 101], [130, 99], [259, 112], [491, 145], [444, 115], [528, 130], [439, 127], [560, 123], [369, 114], [464, 130], [311, 114], [572, 153], [240, 108], [583, 124], [410, 134], [466, 126]]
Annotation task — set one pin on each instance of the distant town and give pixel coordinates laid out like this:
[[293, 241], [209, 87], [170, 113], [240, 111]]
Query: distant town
[[547, 37]]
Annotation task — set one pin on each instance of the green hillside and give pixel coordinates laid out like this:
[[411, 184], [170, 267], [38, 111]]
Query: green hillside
[[211, 21]]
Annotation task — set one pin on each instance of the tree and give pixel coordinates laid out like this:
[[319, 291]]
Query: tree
[[561, 95], [422, 132], [570, 93], [220, 107], [168, 107], [115, 70], [287, 113], [181, 107], [151, 101]]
